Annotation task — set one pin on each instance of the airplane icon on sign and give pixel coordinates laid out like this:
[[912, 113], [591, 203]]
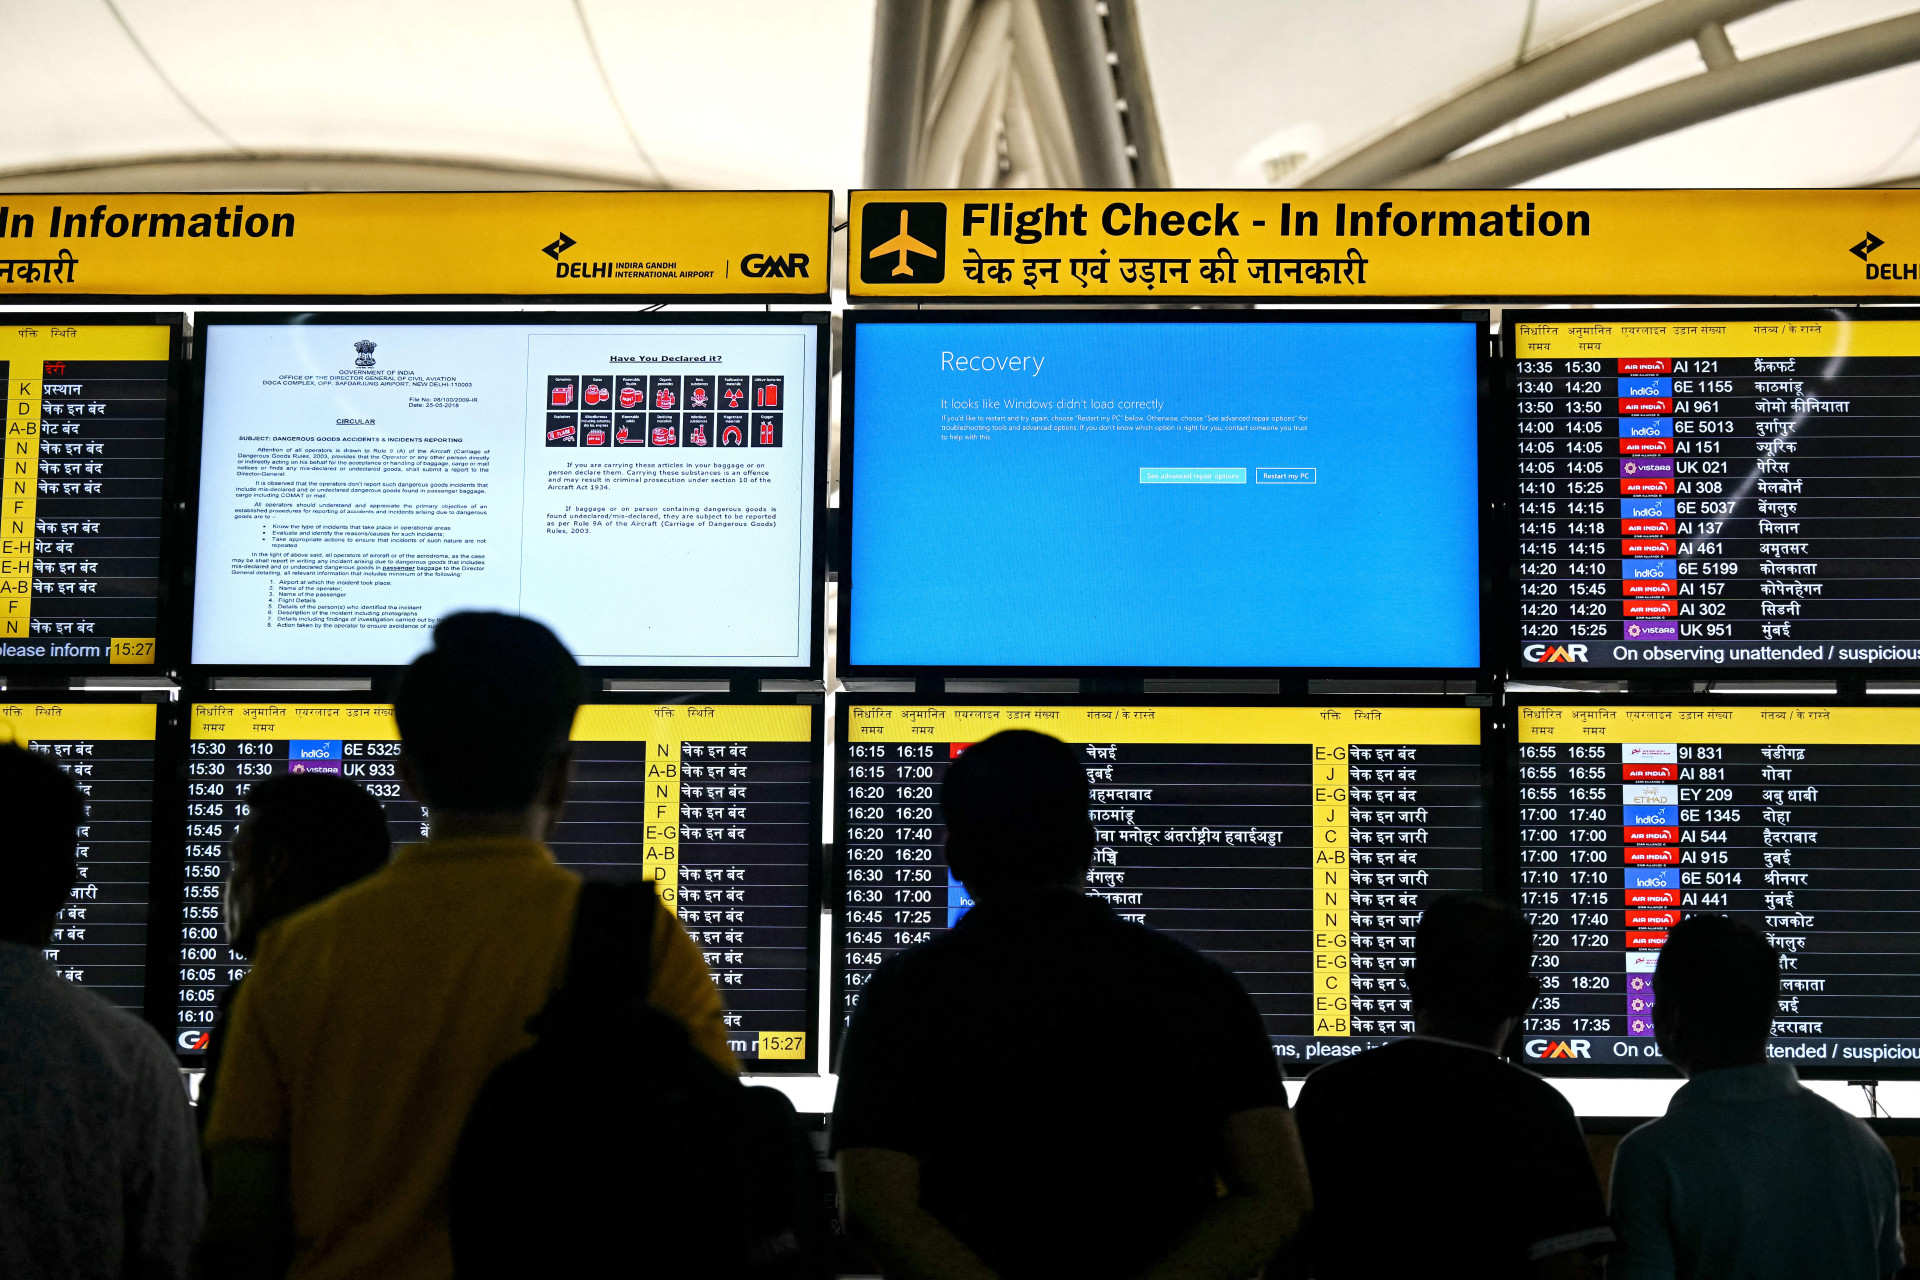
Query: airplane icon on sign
[[903, 244]]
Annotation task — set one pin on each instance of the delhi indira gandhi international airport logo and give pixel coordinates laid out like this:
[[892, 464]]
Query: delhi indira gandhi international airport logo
[[903, 242], [365, 358]]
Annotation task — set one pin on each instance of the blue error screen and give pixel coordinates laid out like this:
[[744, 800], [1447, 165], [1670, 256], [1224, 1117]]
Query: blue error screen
[[1210, 494]]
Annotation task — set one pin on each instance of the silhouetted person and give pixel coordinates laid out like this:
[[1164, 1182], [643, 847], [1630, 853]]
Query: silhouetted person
[[1047, 1090], [1430, 1155], [370, 1020], [305, 836], [99, 1171], [1748, 1174]]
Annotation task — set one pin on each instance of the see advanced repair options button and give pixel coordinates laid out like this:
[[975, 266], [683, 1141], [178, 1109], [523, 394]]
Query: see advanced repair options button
[[1193, 475]]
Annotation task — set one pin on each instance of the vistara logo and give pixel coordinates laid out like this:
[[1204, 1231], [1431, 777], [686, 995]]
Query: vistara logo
[[560, 246], [1543, 1049], [1554, 653], [1866, 246]]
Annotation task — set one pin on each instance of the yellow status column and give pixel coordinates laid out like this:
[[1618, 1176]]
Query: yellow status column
[[21, 499], [660, 858], [1330, 923]]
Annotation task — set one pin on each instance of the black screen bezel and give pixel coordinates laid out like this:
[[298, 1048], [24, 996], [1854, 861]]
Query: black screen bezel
[[1508, 824], [1486, 440], [186, 565], [178, 753], [168, 603], [1502, 401], [1491, 855]]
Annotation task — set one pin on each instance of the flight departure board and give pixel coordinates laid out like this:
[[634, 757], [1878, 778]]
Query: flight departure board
[[1801, 820], [1296, 845], [1716, 490], [716, 803], [100, 937], [88, 405]]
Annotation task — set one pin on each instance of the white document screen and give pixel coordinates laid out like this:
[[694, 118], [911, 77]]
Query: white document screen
[[646, 491]]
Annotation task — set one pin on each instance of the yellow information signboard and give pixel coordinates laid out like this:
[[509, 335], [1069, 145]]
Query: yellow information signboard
[[1351, 245], [264, 245]]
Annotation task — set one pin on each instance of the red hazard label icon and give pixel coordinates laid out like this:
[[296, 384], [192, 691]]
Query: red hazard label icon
[[595, 395], [663, 398], [629, 397], [563, 396], [664, 436]]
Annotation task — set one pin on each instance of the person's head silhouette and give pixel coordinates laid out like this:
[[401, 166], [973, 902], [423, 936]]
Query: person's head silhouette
[[305, 836], [1472, 973], [38, 861], [1716, 989], [484, 720], [1015, 807]]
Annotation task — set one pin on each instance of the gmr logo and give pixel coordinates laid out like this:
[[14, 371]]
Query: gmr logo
[[1555, 653], [1557, 1049], [772, 264]]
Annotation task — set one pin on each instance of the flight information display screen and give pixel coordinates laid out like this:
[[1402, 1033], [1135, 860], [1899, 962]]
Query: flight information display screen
[[1716, 491], [100, 936], [1297, 846], [88, 408], [648, 490], [1800, 820], [1128, 493], [716, 803]]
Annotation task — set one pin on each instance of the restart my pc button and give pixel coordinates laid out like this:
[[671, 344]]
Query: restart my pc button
[[1286, 475], [1193, 475]]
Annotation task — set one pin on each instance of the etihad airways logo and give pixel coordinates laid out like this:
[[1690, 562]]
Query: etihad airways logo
[[1554, 653], [1539, 1049]]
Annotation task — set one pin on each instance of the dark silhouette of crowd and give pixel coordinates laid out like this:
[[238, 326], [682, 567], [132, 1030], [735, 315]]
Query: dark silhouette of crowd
[[451, 1059]]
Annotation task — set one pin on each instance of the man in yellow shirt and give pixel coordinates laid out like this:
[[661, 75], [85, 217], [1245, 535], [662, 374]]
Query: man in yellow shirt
[[371, 1019]]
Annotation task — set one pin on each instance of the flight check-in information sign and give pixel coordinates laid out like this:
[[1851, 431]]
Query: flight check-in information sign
[[1800, 820], [1716, 492], [1296, 846], [715, 804], [86, 442]]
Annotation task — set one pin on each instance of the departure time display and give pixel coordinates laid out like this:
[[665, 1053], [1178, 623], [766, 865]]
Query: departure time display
[[1297, 846], [716, 804], [1800, 820], [1716, 492]]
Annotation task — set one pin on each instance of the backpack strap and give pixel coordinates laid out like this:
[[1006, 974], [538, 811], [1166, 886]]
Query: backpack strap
[[610, 960]]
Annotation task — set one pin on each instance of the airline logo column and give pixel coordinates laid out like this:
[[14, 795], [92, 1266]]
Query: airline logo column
[[1329, 901], [22, 494], [1649, 568], [1650, 816]]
